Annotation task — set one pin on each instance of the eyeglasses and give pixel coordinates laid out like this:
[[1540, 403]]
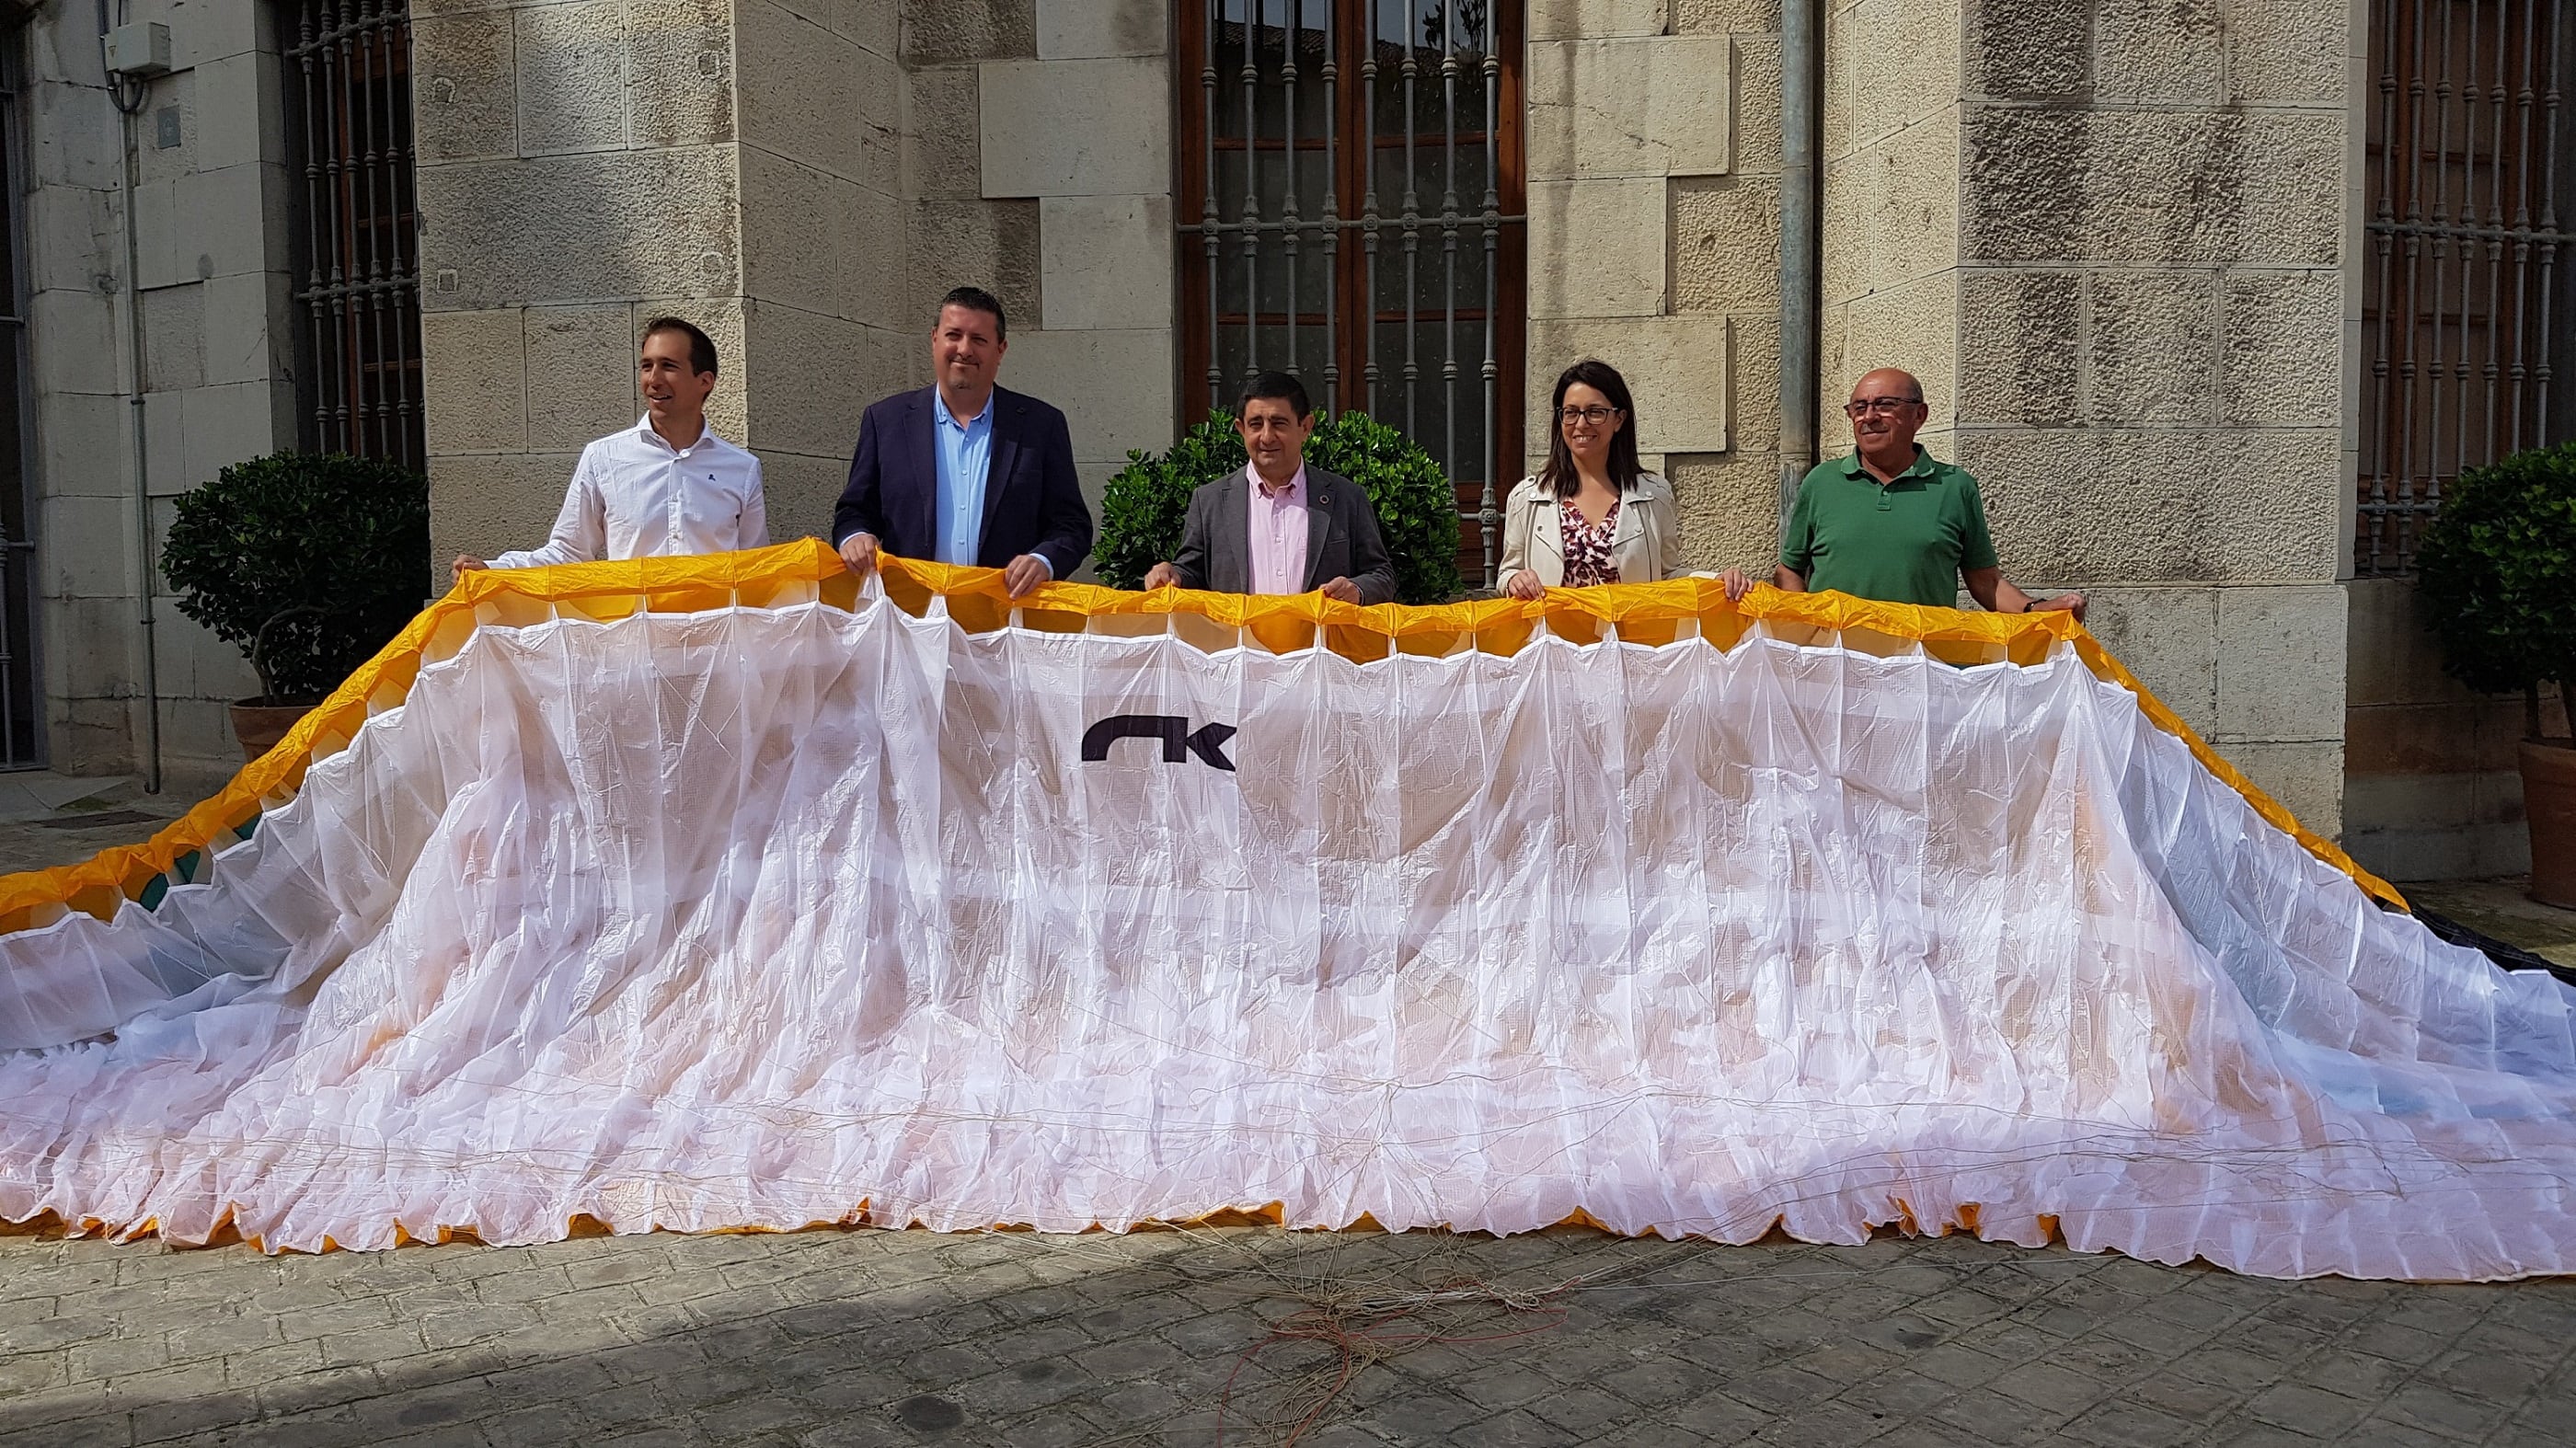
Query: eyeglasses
[[1594, 415], [1860, 407]]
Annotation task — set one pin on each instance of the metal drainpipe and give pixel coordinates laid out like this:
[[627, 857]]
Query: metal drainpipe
[[1802, 84], [145, 565]]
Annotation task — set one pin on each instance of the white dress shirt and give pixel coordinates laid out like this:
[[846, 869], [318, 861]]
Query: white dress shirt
[[633, 495]]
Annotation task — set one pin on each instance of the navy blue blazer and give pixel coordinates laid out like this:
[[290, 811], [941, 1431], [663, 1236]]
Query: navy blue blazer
[[1032, 500]]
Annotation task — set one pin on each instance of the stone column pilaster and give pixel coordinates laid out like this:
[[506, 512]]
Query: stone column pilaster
[[1082, 134], [2112, 242], [803, 181], [587, 164], [1654, 225]]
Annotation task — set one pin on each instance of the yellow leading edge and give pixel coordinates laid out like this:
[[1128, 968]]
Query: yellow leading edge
[[806, 570]]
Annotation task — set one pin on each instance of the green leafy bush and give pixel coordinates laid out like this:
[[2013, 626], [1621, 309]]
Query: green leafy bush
[[1417, 511], [305, 562], [2497, 574], [1148, 500], [1417, 508]]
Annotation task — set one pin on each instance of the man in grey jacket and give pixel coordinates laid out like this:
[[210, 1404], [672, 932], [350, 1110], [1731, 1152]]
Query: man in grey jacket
[[1277, 525]]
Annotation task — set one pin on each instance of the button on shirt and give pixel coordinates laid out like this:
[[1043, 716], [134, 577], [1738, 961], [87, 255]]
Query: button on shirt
[[633, 495], [965, 460], [1278, 541], [1902, 541]]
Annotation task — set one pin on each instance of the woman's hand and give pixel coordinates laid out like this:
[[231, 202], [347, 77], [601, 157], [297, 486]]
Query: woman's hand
[[1738, 583], [1524, 586]]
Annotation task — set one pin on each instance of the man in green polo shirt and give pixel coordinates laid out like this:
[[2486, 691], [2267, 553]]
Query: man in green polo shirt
[[1891, 522]]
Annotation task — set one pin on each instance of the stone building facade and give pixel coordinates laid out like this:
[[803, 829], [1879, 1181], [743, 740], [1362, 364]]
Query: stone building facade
[[2111, 240], [2123, 244], [212, 377]]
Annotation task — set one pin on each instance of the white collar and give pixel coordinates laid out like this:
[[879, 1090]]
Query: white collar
[[706, 433]]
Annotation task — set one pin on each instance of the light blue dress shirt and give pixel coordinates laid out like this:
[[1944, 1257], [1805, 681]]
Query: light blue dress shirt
[[965, 461]]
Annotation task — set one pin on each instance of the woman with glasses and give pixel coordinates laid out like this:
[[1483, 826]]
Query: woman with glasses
[[1593, 515]]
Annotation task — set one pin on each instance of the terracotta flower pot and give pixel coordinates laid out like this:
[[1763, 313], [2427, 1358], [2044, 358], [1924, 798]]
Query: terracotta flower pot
[[2549, 808], [259, 724]]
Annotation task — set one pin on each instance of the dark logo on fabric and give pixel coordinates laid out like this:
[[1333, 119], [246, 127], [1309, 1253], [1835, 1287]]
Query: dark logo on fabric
[[1179, 740]]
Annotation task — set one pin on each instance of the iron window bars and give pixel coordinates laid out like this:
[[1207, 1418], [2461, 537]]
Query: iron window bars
[[1350, 208], [22, 699], [2464, 241], [361, 291]]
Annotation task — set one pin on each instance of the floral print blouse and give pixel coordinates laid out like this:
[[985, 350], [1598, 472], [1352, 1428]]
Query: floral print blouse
[[1587, 545]]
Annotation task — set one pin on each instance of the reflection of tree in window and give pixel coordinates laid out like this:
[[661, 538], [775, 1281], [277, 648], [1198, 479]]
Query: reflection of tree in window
[[1350, 209], [1435, 24]]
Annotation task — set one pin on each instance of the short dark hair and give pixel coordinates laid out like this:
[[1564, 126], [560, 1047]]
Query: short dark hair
[[702, 350], [1276, 387], [975, 299]]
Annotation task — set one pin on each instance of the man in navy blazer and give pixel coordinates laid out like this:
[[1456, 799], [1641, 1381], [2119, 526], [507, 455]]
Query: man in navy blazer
[[965, 471]]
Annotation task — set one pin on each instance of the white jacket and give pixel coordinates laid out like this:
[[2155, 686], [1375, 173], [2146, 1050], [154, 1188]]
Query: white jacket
[[1646, 542]]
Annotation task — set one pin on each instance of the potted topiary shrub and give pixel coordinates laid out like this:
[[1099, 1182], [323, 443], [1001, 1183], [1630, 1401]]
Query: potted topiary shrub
[[306, 562], [1417, 512], [2497, 577]]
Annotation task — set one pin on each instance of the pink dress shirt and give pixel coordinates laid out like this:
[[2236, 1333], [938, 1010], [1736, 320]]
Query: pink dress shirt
[[1278, 534]]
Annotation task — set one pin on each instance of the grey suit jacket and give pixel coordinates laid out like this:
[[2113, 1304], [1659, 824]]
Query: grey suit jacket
[[1341, 537]]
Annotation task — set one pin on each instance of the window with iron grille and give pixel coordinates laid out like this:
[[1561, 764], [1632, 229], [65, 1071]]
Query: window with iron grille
[[2457, 325], [22, 699], [1350, 208], [349, 99]]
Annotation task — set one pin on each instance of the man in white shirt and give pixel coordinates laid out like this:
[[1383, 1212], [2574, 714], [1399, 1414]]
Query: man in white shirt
[[667, 485]]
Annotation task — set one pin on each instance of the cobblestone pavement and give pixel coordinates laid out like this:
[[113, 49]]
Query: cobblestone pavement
[[1240, 1335], [880, 1337]]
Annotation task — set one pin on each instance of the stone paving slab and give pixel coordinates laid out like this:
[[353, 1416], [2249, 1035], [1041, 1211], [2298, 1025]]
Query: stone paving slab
[[46, 819], [2500, 908], [34, 794], [879, 1337]]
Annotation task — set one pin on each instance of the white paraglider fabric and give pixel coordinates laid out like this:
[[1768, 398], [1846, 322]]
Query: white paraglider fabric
[[768, 917]]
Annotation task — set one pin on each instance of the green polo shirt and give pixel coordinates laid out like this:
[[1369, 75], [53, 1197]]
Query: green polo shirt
[[1903, 541]]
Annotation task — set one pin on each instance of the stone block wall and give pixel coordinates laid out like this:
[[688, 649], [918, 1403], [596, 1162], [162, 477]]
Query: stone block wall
[[212, 268], [588, 164], [803, 180], [825, 320], [1654, 243], [1079, 133], [2111, 240], [580, 169]]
